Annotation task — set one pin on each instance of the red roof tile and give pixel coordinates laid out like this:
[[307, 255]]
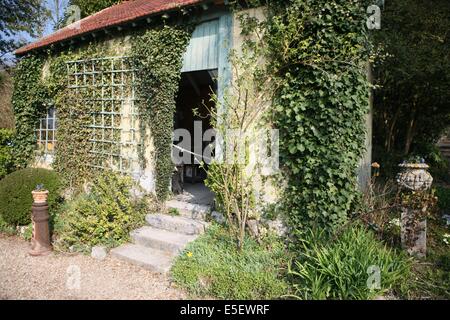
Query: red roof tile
[[122, 13]]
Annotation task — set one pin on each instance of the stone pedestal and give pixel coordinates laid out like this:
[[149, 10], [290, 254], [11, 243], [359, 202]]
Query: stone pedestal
[[413, 234], [415, 179], [40, 243]]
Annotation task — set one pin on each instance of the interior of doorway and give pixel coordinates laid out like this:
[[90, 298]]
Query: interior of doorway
[[194, 93]]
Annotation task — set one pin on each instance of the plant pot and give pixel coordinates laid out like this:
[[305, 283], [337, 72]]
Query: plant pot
[[40, 196]]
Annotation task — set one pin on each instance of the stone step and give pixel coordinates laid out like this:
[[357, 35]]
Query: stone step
[[190, 210], [147, 258], [168, 241], [179, 224]]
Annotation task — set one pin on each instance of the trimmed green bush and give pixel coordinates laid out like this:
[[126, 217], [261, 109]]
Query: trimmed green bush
[[104, 216], [347, 267], [15, 193], [211, 266], [6, 159]]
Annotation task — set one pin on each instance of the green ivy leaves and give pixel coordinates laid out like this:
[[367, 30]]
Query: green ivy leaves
[[29, 101], [318, 52], [157, 56]]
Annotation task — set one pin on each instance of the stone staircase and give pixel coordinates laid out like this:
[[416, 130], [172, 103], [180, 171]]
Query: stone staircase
[[156, 245]]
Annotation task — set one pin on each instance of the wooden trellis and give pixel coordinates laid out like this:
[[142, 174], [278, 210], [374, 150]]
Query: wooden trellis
[[106, 87]]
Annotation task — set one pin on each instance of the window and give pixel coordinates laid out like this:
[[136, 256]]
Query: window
[[45, 132]]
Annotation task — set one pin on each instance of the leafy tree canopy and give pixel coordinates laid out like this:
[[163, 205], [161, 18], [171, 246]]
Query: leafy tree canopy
[[19, 18], [89, 7], [412, 108]]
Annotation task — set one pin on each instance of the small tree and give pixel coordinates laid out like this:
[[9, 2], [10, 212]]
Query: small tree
[[237, 120]]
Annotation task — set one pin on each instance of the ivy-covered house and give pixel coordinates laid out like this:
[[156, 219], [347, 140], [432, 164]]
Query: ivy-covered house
[[108, 91]]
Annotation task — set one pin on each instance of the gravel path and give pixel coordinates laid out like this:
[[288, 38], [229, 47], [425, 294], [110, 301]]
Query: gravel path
[[55, 277]]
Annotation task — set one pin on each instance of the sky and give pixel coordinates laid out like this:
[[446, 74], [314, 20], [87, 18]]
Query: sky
[[49, 25]]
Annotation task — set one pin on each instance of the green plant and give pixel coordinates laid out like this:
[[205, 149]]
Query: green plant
[[105, 215], [319, 52], [234, 195], [443, 195], [412, 86], [6, 157], [29, 100], [39, 187], [15, 193], [211, 266], [174, 212], [157, 56], [6, 228], [346, 267]]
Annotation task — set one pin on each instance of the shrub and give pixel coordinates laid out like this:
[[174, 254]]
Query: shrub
[[104, 216], [6, 160], [443, 195], [343, 268], [211, 266], [15, 193], [6, 228]]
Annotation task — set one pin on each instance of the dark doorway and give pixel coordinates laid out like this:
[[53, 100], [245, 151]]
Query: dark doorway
[[195, 94]]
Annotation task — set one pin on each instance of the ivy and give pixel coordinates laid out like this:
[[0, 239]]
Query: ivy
[[319, 52], [29, 101], [157, 57], [158, 60], [72, 156]]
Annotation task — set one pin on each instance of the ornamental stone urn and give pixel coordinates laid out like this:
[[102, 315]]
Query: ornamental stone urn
[[414, 178]]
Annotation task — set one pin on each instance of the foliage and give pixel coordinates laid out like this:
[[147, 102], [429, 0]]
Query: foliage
[[211, 266], [72, 156], [319, 53], [432, 277], [89, 7], [158, 58], [6, 89], [234, 196], [6, 228], [411, 109], [103, 216], [15, 193], [18, 17], [6, 156], [439, 165], [30, 99], [343, 267], [379, 205], [443, 195], [241, 122], [421, 205]]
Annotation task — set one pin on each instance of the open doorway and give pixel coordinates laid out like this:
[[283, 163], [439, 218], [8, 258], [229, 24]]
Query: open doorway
[[194, 93]]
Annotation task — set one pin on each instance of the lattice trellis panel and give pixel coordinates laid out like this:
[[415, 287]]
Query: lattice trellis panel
[[106, 87]]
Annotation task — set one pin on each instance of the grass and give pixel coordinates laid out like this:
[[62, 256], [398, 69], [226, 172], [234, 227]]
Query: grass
[[354, 265], [432, 276], [212, 267]]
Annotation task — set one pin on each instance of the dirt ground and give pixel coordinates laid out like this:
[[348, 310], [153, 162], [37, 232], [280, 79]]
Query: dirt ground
[[75, 276]]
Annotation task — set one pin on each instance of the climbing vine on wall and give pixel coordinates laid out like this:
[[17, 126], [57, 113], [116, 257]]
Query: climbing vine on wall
[[73, 156], [157, 57], [319, 52], [30, 100]]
